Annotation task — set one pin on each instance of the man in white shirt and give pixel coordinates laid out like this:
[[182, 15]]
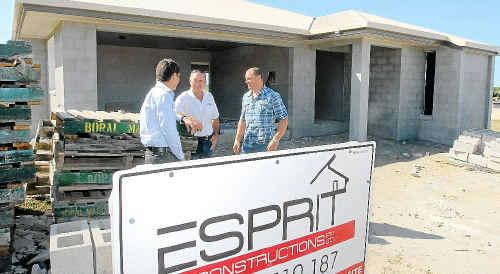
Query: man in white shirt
[[201, 106], [158, 123]]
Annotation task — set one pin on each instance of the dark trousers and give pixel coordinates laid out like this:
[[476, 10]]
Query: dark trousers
[[158, 155], [204, 148]]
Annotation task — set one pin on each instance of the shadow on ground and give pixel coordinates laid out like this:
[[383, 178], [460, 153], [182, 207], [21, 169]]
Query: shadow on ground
[[378, 230]]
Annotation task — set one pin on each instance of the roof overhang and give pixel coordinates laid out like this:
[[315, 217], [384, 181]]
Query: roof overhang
[[40, 19]]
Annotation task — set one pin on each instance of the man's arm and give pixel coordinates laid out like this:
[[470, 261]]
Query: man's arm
[[240, 131], [181, 110], [280, 132], [167, 121], [215, 136], [281, 114]]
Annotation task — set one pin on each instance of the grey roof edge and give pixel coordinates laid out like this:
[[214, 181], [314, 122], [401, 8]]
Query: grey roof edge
[[262, 29]]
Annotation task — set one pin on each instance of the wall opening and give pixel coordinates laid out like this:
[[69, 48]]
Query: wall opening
[[331, 89], [430, 73]]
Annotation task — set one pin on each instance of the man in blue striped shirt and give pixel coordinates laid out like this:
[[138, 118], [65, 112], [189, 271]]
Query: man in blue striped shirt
[[158, 123], [264, 118]]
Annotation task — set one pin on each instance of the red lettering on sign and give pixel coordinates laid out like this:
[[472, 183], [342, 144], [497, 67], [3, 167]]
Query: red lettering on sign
[[281, 253]]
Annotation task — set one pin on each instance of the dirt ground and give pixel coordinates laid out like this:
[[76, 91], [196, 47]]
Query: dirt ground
[[431, 215], [495, 117]]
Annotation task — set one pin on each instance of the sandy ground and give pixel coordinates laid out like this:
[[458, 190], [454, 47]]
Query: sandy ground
[[495, 117], [429, 214]]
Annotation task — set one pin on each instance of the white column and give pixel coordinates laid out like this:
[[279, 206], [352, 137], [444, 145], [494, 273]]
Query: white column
[[302, 86], [73, 62], [489, 92], [360, 79]]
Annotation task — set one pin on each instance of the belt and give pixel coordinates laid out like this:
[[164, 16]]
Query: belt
[[205, 138]]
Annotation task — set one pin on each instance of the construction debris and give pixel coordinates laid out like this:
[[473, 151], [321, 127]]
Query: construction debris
[[19, 91], [479, 147]]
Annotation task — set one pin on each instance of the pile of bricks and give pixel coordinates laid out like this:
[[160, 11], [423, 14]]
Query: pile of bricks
[[19, 91], [479, 147], [81, 247]]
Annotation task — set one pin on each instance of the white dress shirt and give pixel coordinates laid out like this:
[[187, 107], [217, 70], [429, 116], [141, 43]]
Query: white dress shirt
[[158, 126], [203, 111]]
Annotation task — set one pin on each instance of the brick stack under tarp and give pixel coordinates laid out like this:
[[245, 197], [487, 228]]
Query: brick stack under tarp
[[19, 92], [479, 147]]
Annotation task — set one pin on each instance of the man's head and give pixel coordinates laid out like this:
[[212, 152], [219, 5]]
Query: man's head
[[253, 79], [197, 81], [167, 71]]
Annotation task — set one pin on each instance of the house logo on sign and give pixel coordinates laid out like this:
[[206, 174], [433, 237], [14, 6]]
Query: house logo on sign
[[338, 187]]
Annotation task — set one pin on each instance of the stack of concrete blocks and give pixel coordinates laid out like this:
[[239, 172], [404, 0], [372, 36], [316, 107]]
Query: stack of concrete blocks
[[81, 247], [479, 147], [491, 150]]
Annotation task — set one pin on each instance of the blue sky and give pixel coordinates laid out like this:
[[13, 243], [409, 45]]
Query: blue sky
[[476, 20]]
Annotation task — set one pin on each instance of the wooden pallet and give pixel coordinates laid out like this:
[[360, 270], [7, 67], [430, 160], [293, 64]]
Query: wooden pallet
[[15, 146], [105, 147], [80, 209], [82, 196], [110, 123], [15, 156], [17, 173], [13, 193], [19, 74], [20, 94], [95, 163], [15, 48], [65, 179], [15, 113], [9, 136], [6, 215]]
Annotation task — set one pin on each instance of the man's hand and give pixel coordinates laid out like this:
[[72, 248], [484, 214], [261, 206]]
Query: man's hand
[[236, 147], [192, 124], [273, 145], [214, 139]]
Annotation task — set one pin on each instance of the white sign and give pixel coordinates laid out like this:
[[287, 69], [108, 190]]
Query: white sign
[[293, 211]]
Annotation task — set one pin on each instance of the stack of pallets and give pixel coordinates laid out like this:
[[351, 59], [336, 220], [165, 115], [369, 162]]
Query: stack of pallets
[[89, 146], [19, 91], [44, 155]]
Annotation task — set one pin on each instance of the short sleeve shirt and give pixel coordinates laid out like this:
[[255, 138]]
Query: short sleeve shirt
[[261, 114]]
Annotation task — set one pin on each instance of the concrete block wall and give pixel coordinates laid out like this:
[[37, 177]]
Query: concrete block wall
[[383, 103], [301, 100], [443, 125], [475, 91], [347, 86], [125, 74], [40, 57], [411, 96], [72, 62], [228, 69]]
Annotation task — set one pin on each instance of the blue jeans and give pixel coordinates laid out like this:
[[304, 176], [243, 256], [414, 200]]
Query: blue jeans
[[203, 150], [253, 148]]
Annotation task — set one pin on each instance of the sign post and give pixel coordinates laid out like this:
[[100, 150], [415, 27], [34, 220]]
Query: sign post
[[293, 211]]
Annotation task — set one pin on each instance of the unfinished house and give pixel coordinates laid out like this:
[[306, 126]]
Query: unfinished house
[[347, 72]]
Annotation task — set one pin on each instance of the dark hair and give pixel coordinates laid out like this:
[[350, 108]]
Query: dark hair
[[165, 69], [256, 71]]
